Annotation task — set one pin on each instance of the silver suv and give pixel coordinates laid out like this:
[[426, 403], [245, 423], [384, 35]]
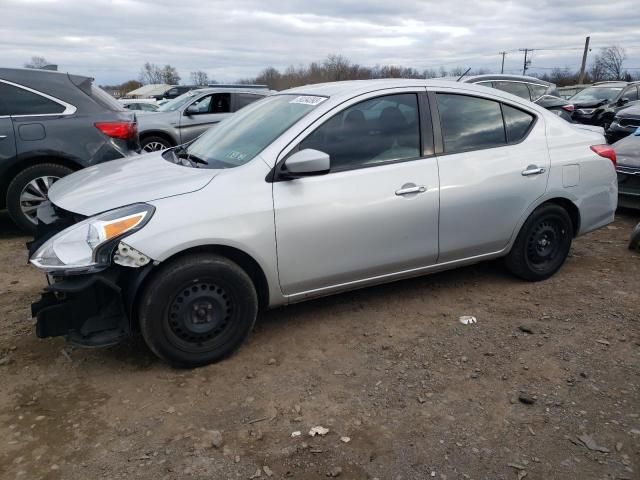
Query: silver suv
[[188, 116], [309, 192]]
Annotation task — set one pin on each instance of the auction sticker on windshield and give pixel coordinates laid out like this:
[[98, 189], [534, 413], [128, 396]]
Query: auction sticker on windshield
[[308, 100]]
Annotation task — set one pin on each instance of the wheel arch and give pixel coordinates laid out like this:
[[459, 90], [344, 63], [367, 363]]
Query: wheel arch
[[159, 133], [243, 259]]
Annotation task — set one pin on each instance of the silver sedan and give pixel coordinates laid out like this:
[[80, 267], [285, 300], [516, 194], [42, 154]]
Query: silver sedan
[[309, 192]]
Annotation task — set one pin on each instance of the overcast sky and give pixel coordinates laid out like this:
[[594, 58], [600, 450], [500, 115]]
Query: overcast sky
[[231, 39]]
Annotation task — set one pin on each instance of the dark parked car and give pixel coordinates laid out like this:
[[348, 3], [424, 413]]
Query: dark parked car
[[175, 91], [628, 169], [538, 91], [624, 123], [599, 103], [51, 124]]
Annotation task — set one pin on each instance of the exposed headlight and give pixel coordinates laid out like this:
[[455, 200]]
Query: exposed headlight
[[585, 111], [87, 246]]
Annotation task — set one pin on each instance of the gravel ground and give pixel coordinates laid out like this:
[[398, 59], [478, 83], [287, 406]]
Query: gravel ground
[[545, 385]]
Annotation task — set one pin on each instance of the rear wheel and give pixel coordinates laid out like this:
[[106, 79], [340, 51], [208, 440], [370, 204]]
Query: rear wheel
[[542, 245], [197, 310], [29, 189], [154, 144]]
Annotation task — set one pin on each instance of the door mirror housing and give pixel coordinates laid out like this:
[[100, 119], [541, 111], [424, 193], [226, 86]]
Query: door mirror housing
[[192, 110], [623, 100], [306, 163]]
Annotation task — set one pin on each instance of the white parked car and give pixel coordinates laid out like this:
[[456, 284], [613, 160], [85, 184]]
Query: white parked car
[[309, 192]]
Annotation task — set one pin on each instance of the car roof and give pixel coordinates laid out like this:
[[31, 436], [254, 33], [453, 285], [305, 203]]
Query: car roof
[[256, 91], [499, 76], [611, 84]]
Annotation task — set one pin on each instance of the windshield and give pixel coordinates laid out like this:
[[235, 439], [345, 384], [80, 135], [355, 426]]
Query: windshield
[[596, 94], [176, 103], [241, 137]]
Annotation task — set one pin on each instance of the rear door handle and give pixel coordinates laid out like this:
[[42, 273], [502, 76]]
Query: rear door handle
[[2, 137], [410, 190], [533, 170]]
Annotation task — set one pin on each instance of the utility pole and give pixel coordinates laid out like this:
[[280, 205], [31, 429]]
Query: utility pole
[[584, 60], [502, 68], [526, 62]]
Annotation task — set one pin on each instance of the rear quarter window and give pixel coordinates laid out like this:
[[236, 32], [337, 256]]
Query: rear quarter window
[[105, 100], [517, 123], [18, 101]]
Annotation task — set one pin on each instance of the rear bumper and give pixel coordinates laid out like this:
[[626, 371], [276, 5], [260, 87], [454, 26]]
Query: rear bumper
[[628, 187]]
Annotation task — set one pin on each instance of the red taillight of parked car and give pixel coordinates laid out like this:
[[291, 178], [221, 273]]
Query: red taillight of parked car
[[568, 108], [121, 130], [605, 151]]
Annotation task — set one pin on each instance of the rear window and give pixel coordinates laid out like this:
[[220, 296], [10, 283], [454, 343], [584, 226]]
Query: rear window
[[105, 100], [18, 101]]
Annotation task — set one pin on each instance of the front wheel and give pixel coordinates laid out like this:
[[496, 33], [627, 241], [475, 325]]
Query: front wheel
[[29, 189], [542, 245], [197, 310]]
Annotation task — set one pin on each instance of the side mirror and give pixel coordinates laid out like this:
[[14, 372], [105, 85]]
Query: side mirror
[[622, 101], [192, 110], [306, 163]]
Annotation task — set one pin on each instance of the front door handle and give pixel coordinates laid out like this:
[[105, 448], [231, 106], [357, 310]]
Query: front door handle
[[2, 137], [410, 190], [533, 170]]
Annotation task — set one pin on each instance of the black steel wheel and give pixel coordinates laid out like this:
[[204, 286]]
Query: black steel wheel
[[197, 309], [543, 243]]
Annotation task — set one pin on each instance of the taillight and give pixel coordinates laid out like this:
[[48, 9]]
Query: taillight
[[121, 130], [568, 108], [605, 151]]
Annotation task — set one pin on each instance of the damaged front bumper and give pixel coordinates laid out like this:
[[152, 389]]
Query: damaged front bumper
[[89, 309]]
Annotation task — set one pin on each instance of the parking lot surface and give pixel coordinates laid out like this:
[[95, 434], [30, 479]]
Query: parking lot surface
[[546, 384]]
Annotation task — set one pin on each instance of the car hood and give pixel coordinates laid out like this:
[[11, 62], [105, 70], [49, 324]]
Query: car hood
[[629, 112], [139, 178], [628, 151]]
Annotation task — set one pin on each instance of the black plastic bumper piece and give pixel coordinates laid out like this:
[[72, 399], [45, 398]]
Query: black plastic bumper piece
[[88, 309]]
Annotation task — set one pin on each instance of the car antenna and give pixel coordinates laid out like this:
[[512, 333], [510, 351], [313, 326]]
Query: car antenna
[[460, 77]]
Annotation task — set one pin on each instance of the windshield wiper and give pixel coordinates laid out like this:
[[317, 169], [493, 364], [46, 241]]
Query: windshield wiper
[[183, 153]]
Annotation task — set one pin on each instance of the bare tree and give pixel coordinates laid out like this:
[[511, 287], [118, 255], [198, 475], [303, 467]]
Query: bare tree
[[170, 75], [36, 62], [608, 63], [150, 73], [199, 78]]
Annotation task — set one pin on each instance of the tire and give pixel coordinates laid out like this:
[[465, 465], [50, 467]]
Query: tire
[[542, 245], [29, 189], [634, 240], [197, 310], [154, 144]]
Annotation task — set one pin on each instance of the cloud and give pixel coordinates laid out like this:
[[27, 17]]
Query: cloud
[[111, 39]]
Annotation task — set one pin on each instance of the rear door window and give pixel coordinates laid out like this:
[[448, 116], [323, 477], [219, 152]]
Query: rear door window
[[470, 123], [537, 91], [17, 101], [515, 88], [241, 100]]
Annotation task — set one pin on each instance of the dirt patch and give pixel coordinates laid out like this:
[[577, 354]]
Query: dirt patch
[[418, 394]]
